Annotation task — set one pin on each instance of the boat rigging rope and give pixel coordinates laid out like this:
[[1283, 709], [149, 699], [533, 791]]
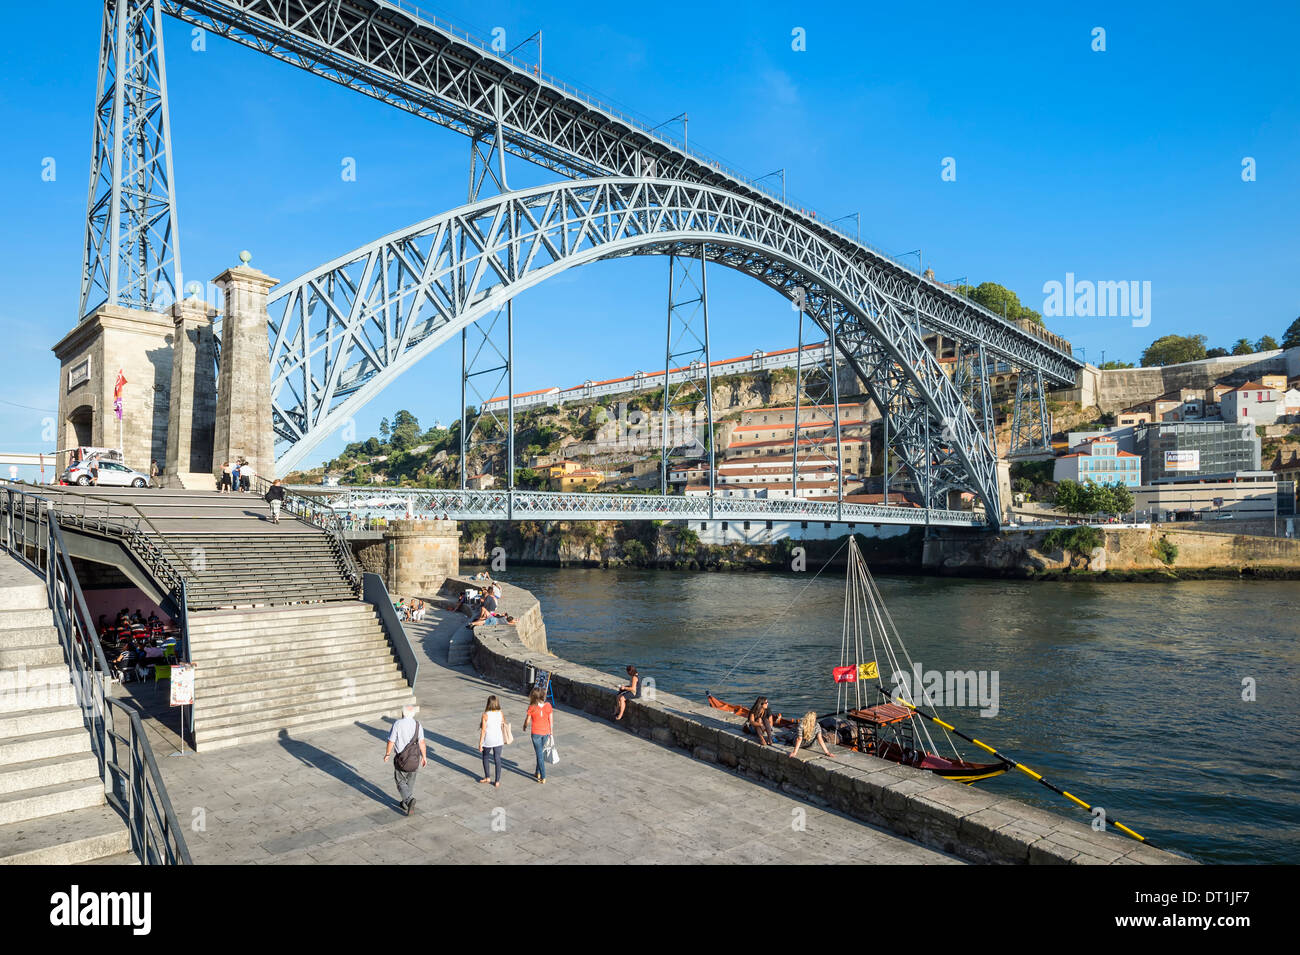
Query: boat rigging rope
[[762, 636]]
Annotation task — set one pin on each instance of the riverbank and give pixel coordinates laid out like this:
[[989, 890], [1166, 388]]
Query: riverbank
[[974, 824], [1086, 671], [1162, 552]]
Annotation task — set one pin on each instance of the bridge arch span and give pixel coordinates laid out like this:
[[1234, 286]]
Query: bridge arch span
[[340, 333]]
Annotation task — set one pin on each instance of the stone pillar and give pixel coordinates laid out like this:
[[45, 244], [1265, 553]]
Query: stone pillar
[[420, 556], [139, 343], [193, 409], [243, 421]]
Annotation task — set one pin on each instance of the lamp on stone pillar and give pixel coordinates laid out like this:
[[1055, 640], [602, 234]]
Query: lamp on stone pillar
[[193, 408], [243, 421]]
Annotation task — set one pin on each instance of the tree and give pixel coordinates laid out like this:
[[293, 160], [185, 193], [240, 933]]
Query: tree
[[1174, 350], [383, 430], [405, 432], [1069, 497], [1267, 343], [1093, 498], [1122, 498], [1113, 365], [1000, 300], [1243, 347], [1291, 338], [1217, 353]]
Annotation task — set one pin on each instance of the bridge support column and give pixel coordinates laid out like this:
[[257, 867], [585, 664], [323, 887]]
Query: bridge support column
[[243, 422], [193, 409], [420, 555], [113, 338]]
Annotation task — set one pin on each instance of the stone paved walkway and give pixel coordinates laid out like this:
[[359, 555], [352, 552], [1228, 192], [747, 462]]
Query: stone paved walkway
[[326, 797]]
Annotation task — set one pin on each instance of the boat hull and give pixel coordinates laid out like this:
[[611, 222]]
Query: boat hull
[[958, 770]]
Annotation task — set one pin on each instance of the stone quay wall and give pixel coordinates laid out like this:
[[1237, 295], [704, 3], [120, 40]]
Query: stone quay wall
[[1125, 551], [529, 628], [976, 824]]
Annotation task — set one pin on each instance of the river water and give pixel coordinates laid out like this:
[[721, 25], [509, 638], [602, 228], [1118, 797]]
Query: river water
[[1128, 695]]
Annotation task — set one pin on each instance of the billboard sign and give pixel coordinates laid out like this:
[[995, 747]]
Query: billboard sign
[[1183, 460]]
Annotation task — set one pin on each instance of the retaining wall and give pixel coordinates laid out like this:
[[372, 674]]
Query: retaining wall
[[979, 825]]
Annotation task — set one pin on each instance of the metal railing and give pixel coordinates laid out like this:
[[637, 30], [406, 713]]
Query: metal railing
[[320, 514], [376, 594], [30, 532], [552, 505], [124, 520]]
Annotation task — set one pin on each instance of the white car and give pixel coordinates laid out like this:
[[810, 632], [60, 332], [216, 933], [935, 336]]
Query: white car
[[111, 474]]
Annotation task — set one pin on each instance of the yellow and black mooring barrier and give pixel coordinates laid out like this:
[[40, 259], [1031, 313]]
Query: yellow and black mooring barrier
[[1010, 762]]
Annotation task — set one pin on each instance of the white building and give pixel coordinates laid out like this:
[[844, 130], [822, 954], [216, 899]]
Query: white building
[[1253, 403]]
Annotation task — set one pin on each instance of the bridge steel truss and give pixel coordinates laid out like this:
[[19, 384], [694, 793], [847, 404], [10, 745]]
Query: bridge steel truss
[[353, 324], [557, 506], [447, 77], [132, 253], [342, 332]]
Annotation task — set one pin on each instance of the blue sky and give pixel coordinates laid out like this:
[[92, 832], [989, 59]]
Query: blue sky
[[1116, 165]]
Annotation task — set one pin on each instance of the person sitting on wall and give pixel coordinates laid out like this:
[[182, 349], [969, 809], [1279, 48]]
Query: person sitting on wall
[[760, 721], [630, 691], [807, 732]]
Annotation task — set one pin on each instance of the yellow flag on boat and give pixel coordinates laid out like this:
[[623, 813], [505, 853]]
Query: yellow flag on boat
[[867, 671]]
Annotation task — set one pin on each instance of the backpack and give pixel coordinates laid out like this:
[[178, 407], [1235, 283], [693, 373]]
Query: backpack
[[408, 760]]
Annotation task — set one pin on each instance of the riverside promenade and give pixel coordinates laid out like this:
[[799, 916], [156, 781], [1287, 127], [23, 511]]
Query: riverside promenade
[[615, 797]]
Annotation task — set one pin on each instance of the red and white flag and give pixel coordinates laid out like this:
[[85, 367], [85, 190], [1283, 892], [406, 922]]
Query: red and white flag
[[845, 674]]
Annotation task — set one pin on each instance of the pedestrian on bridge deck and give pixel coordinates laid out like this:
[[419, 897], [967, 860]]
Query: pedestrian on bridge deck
[[407, 739]]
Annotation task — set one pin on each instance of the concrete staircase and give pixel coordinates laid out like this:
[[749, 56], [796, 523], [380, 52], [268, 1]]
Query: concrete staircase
[[261, 670], [52, 805], [244, 570]]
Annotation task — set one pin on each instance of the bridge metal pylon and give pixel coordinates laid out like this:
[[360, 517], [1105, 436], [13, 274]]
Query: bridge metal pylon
[[817, 389], [132, 254], [487, 347], [1031, 429], [681, 434]]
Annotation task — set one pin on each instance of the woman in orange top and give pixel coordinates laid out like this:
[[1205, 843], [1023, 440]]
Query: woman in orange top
[[539, 715]]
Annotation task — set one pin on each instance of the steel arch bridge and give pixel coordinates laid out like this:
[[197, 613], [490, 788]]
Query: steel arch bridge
[[338, 334], [343, 331]]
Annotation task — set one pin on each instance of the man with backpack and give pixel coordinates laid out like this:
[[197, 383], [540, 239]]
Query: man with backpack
[[407, 739]]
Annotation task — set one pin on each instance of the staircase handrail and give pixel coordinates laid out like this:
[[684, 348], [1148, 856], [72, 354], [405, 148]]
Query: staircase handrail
[[323, 516], [132, 783]]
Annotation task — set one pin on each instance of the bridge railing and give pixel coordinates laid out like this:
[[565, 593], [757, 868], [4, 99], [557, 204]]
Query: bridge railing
[[319, 513], [499, 504], [30, 532]]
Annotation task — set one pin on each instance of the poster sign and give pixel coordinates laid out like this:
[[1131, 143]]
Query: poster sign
[[1183, 460], [182, 684]]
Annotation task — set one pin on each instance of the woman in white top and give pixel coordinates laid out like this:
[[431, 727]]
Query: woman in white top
[[492, 738]]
